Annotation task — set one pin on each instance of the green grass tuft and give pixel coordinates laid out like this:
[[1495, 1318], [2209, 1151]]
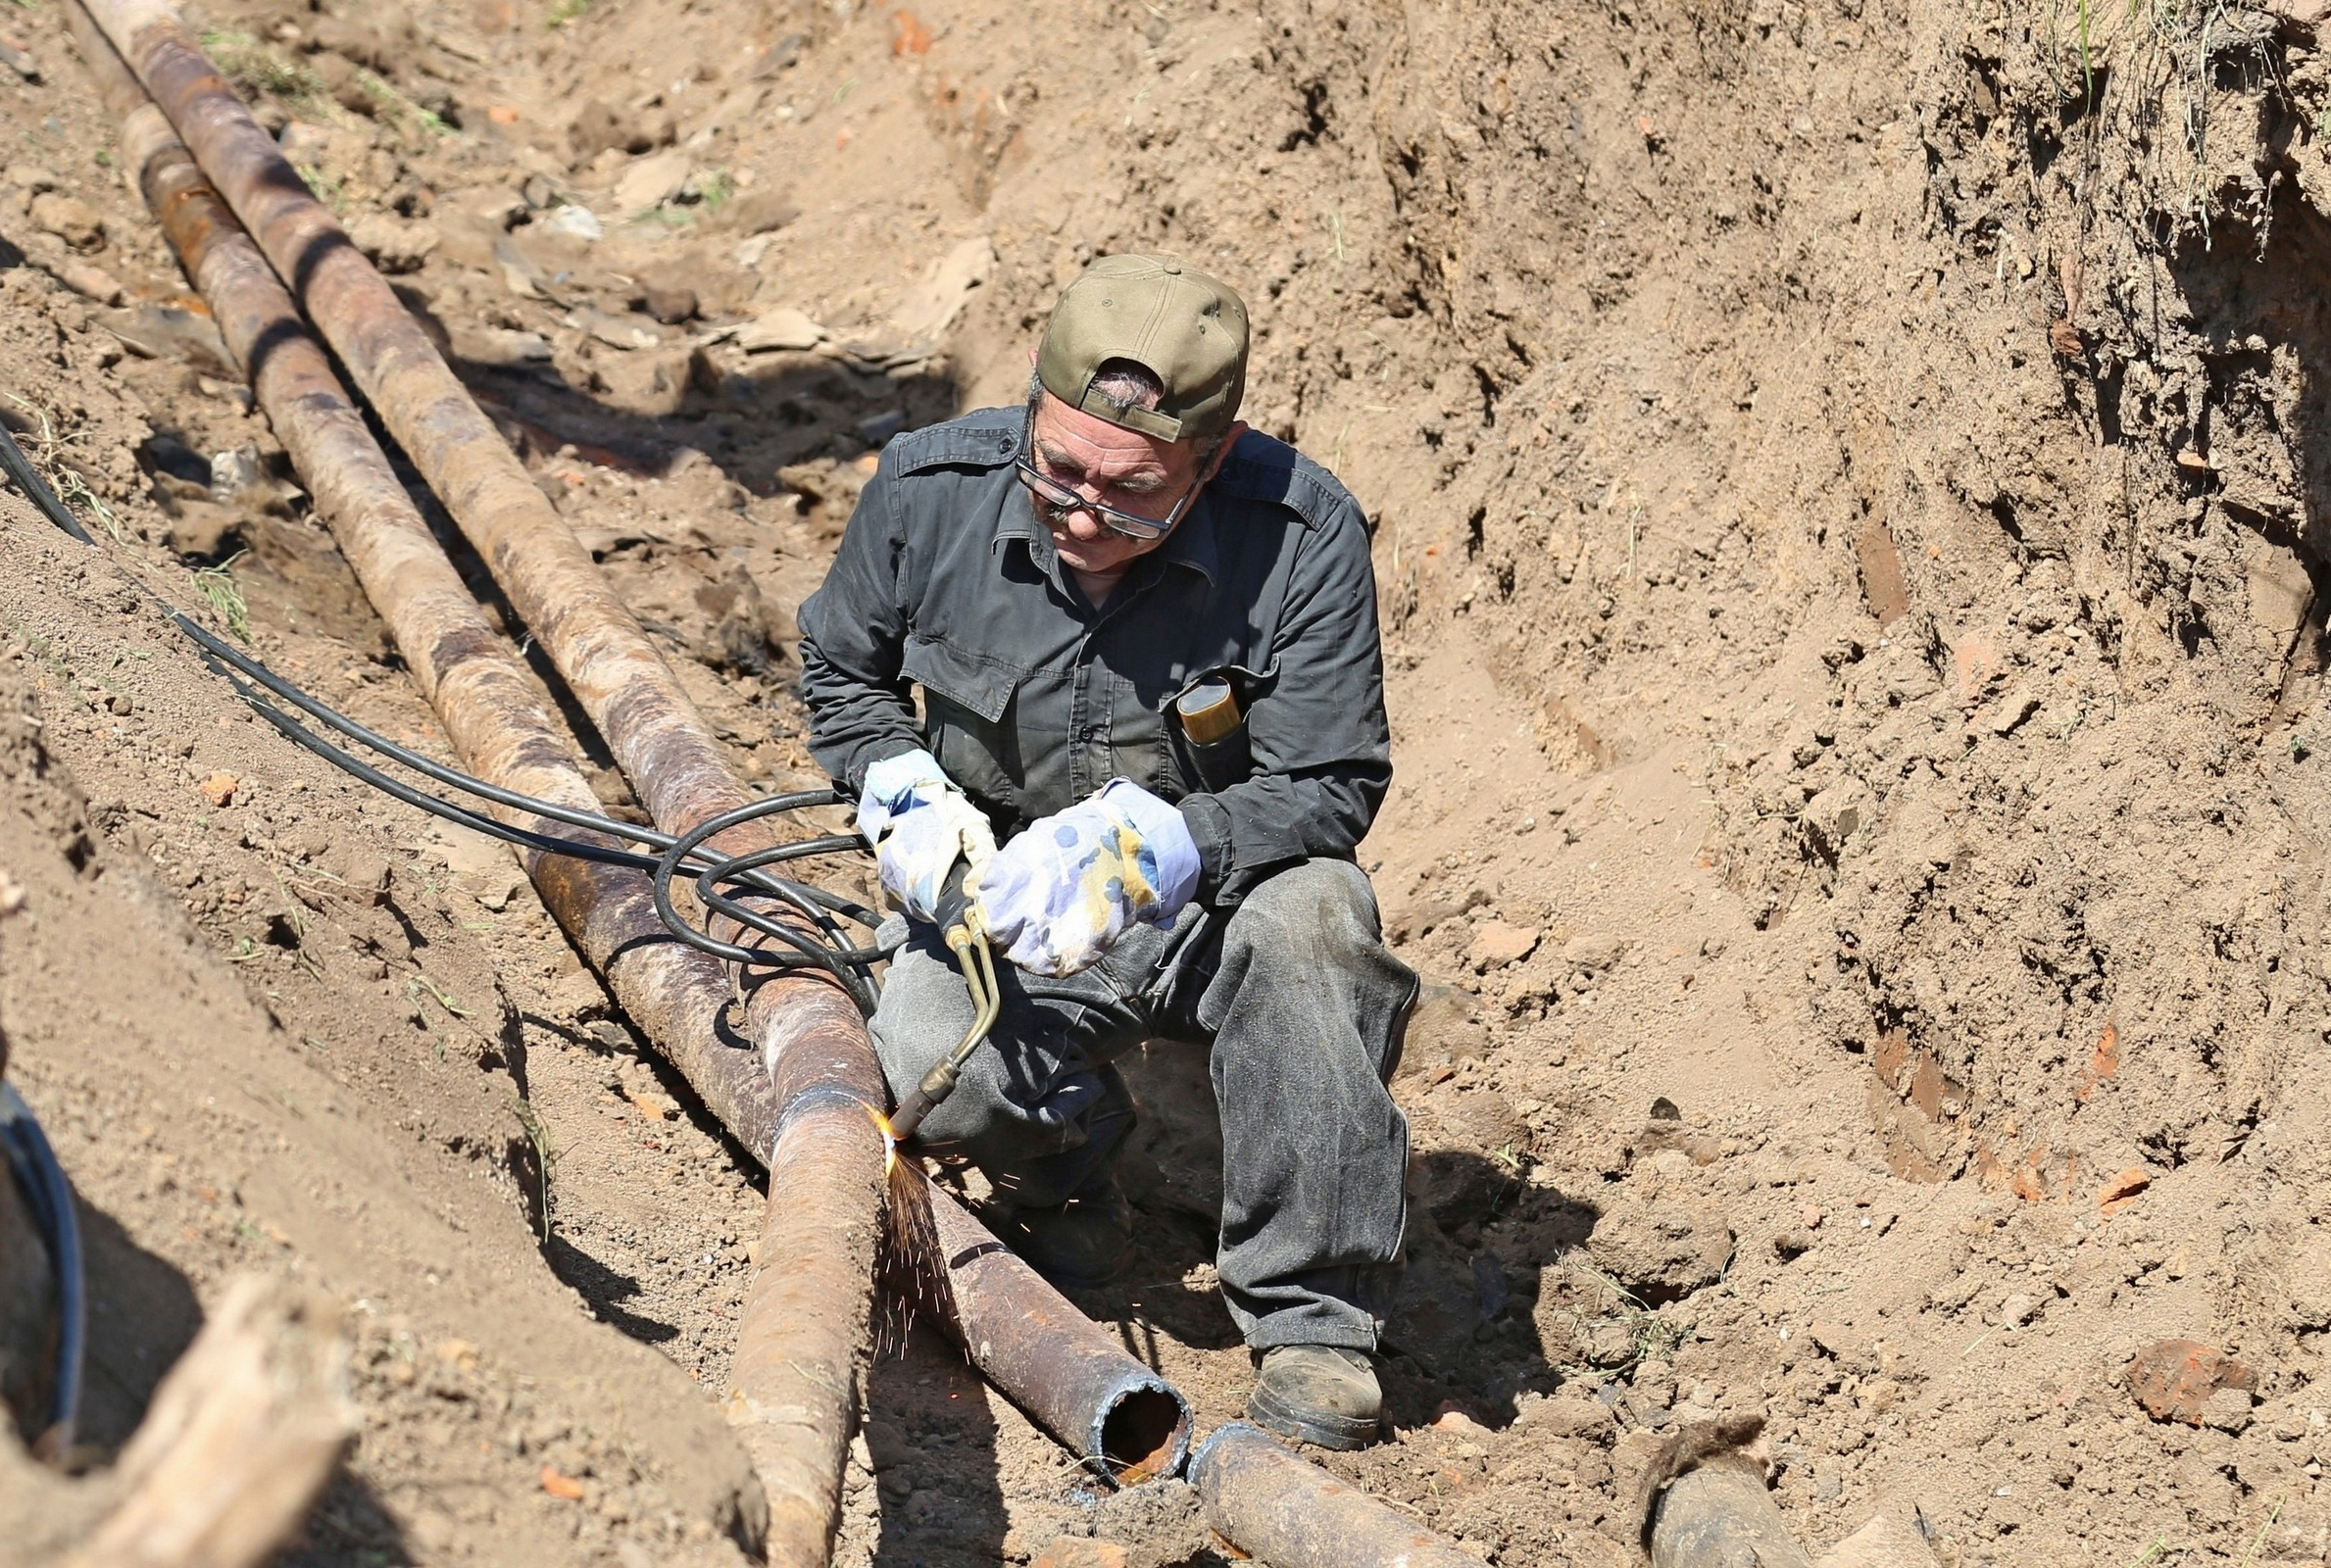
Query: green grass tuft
[[223, 594], [254, 67]]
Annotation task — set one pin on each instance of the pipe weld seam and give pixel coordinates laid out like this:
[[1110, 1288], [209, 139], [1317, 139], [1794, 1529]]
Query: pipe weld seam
[[824, 1096]]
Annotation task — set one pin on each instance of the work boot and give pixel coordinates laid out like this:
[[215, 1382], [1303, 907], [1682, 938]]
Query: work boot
[[1320, 1393], [1087, 1240]]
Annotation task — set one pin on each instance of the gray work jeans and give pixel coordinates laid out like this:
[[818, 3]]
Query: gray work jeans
[[1304, 1009]]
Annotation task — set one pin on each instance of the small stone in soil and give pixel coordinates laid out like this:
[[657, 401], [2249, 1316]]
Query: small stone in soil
[[669, 303], [2174, 1378], [1661, 1251]]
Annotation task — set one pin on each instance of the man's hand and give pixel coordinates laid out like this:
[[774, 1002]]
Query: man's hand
[[922, 824], [1060, 894]]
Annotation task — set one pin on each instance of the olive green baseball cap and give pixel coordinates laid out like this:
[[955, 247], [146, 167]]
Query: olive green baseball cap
[[1188, 329]]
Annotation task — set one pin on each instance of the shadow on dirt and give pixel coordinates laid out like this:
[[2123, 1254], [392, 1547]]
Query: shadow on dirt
[[640, 408], [143, 1313], [348, 1528], [934, 1444], [779, 410], [2263, 316], [605, 1289], [142, 1316], [1463, 1328]]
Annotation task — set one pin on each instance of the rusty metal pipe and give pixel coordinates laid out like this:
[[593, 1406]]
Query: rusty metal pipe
[[500, 724], [1269, 1503], [806, 1323], [807, 1326], [631, 694], [1118, 1415], [1124, 1420], [1704, 1502]]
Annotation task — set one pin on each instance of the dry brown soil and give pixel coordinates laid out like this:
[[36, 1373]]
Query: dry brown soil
[[1850, 490]]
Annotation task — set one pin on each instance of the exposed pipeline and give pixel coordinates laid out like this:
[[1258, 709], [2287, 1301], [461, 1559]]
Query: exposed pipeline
[[1704, 1502], [1124, 1420], [807, 1325], [1270, 1504], [813, 1110], [500, 724], [592, 638]]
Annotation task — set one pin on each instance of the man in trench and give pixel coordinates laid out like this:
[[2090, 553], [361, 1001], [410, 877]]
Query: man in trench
[[1063, 582]]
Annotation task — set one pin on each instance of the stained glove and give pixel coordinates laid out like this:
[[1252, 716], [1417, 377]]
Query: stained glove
[[1060, 894], [921, 824]]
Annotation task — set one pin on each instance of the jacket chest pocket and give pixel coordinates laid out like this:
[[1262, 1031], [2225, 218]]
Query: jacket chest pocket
[[1219, 755], [966, 698]]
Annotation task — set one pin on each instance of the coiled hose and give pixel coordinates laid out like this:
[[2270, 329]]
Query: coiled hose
[[741, 888], [724, 883]]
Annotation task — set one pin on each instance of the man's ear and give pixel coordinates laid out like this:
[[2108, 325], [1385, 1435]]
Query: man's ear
[[1238, 427]]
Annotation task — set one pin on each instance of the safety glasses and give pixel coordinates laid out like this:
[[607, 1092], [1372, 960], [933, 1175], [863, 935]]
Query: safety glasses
[[1057, 500]]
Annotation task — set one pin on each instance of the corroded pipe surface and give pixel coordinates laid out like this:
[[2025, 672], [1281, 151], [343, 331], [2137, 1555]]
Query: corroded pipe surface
[[1269, 1503], [598, 646], [800, 1364], [503, 729], [500, 724], [1124, 1421], [1704, 1504], [821, 1224]]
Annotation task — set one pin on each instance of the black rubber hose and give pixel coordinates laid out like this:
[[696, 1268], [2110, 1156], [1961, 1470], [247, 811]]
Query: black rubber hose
[[28, 479], [33, 1164], [848, 963], [747, 869]]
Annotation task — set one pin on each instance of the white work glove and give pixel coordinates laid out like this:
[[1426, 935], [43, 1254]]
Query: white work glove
[[1060, 894], [921, 824]]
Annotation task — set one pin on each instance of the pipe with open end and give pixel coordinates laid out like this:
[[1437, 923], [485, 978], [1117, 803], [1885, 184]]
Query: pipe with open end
[[677, 995], [1124, 1420], [1271, 1503], [808, 1101], [1028, 1338]]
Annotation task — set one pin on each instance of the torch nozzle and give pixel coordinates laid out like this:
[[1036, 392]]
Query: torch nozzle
[[936, 1085]]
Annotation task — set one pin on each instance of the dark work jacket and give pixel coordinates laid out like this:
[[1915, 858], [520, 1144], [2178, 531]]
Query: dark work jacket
[[1032, 699]]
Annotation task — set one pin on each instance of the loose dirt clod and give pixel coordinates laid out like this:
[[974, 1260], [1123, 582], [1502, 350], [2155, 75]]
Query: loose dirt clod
[[2176, 1380]]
